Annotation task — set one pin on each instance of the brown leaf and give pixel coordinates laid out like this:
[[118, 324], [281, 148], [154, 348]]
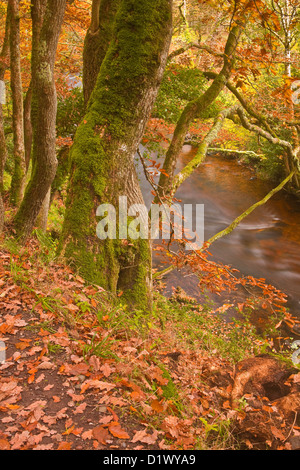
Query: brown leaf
[[46, 365], [23, 344], [142, 436], [106, 370], [80, 408], [157, 406], [93, 383], [116, 430], [64, 445], [4, 444], [277, 433], [101, 434], [77, 369]]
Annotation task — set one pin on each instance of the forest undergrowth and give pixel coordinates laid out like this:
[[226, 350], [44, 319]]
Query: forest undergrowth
[[82, 371]]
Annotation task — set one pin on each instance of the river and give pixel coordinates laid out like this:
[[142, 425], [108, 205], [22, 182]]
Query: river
[[265, 245]]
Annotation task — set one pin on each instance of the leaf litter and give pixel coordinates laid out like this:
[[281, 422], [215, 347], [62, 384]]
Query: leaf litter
[[60, 391]]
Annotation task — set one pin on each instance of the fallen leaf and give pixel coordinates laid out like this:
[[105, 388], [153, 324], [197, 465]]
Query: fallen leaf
[[93, 383], [277, 433], [64, 445], [23, 344], [46, 365], [101, 434], [80, 408], [77, 369], [31, 378], [116, 430], [157, 406], [87, 434], [144, 437], [69, 430], [48, 387], [106, 370], [4, 444]]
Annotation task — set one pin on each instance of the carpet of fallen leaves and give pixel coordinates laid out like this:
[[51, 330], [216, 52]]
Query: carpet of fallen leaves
[[59, 391]]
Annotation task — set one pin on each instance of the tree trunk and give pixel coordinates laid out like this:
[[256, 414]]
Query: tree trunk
[[42, 219], [19, 175], [3, 156], [105, 144], [97, 41], [28, 126], [3, 149], [44, 103], [193, 110]]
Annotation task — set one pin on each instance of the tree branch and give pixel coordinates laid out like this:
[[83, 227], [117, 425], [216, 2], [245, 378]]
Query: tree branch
[[194, 109], [246, 105], [239, 219], [203, 147]]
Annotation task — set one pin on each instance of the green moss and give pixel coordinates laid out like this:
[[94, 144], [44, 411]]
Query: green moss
[[99, 169]]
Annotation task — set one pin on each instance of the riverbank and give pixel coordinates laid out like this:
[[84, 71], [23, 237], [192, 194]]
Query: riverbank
[[83, 372]]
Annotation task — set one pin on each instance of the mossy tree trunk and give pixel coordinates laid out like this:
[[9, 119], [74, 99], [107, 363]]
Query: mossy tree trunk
[[47, 17], [97, 41], [19, 174], [3, 148], [102, 167]]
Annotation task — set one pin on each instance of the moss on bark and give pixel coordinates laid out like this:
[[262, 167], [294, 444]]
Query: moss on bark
[[102, 167]]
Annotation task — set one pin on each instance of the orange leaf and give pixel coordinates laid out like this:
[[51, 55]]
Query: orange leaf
[[101, 434], [116, 430], [115, 416], [277, 433], [157, 406], [94, 303], [69, 430], [64, 446], [4, 444], [12, 407], [23, 344], [31, 378]]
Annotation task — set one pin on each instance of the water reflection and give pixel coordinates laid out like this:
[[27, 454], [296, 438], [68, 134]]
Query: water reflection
[[266, 244]]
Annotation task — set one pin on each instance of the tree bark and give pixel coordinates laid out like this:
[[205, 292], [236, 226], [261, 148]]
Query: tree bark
[[104, 148], [200, 155], [19, 175], [3, 148], [44, 103], [193, 110], [97, 41], [28, 126]]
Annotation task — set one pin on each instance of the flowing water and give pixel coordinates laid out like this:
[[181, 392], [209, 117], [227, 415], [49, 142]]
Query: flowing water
[[265, 245]]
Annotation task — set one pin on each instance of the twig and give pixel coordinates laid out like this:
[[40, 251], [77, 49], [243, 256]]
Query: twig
[[296, 414]]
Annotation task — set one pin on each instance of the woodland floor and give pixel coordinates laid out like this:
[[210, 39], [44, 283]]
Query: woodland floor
[[77, 378]]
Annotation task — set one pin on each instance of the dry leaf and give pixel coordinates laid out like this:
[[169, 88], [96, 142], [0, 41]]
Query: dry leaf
[[101, 434], [64, 445], [96, 384], [157, 406], [46, 365], [80, 408], [142, 436], [77, 369], [116, 430], [106, 370], [277, 433], [4, 444]]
